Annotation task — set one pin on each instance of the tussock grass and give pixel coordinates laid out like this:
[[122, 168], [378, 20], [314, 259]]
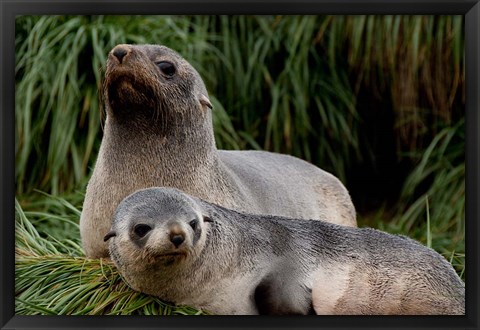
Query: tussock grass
[[417, 60], [431, 207], [440, 177], [282, 83]]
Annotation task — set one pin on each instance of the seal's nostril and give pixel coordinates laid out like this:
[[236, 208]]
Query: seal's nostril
[[177, 240], [120, 52]]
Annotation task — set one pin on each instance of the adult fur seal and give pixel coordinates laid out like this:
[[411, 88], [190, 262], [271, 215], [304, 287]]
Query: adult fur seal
[[158, 132], [188, 251]]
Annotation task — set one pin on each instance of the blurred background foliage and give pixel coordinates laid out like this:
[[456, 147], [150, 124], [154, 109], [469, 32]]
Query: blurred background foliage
[[379, 101]]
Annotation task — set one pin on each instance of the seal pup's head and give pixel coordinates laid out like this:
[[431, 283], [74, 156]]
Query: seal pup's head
[[155, 233], [152, 81]]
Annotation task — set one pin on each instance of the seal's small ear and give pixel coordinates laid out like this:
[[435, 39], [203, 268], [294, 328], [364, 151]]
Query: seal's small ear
[[205, 101], [206, 218], [109, 235]]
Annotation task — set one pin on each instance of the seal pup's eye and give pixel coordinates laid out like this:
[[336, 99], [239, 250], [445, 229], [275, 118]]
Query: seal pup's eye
[[141, 230], [167, 68], [193, 224]]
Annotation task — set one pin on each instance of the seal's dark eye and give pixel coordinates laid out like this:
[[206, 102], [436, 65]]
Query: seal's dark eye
[[193, 224], [141, 229], [167, 68]]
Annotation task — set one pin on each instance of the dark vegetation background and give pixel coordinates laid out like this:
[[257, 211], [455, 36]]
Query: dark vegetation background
[[378, 101]]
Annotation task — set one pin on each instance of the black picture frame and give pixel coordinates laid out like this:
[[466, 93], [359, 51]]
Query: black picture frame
[[10, 8]]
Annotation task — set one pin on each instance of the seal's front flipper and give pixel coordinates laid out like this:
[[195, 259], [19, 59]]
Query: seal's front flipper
[[275, 296]]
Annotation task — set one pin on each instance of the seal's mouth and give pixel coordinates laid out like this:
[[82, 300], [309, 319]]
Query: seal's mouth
[[154, 258], [170, 258], [125, 91], [173, 254], [121, 86]]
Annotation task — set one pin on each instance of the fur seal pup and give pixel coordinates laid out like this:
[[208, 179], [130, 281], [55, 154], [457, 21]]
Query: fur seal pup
[[191, 252], [158, 132]]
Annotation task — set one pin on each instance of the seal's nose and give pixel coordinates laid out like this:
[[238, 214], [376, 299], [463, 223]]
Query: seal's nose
[[119, 52], [177, 239]]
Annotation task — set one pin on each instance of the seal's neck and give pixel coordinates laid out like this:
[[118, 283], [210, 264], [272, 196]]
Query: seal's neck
[[160, 154]]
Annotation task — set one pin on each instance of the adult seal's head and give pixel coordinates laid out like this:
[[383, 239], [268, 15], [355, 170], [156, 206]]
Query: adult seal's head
[[155, 240], [152, 82]]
